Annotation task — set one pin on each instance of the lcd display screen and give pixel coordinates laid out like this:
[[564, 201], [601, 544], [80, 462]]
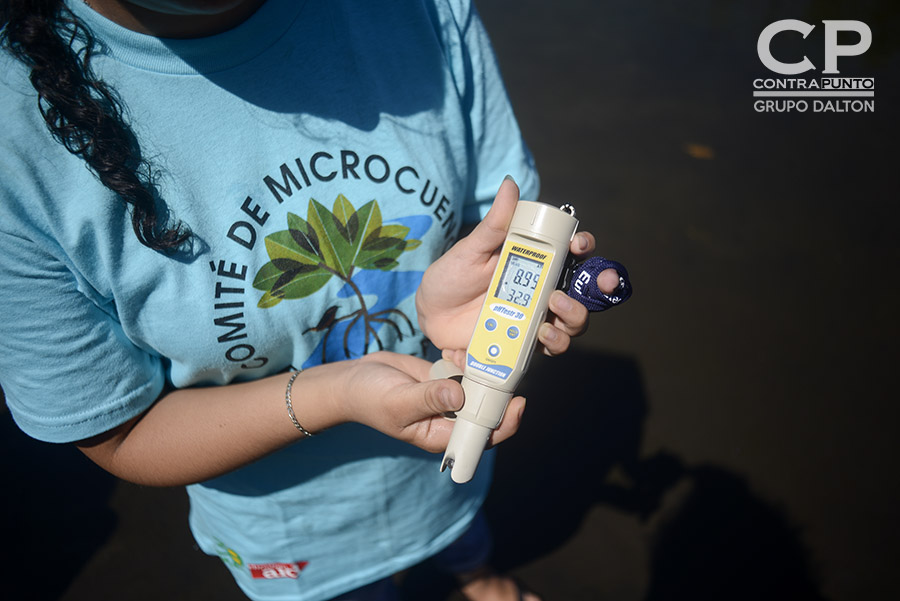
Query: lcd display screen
[[519, 280]]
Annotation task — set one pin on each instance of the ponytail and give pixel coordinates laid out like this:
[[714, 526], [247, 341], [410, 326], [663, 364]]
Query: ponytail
[[83, 113]]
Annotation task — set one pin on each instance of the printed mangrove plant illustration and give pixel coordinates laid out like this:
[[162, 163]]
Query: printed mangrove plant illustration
[[334, 243]]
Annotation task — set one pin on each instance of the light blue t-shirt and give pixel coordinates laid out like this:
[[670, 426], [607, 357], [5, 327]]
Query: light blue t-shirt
[[323, 154]]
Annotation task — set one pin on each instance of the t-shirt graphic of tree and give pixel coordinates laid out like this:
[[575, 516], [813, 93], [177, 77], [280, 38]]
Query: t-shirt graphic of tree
[[327, 244]]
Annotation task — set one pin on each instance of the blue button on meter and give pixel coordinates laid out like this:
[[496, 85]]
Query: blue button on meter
[[490, 325], [493, 350], [512, 332]]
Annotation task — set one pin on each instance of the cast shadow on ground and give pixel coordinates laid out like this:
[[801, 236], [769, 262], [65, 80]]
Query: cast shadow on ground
[[56, 513], [710, 536], [722, 542]]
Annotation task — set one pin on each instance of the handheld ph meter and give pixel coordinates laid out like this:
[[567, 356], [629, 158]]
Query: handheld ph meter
[[531, 261]]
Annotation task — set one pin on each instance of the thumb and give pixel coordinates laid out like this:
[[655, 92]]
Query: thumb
[[440, 396], [491, 231]]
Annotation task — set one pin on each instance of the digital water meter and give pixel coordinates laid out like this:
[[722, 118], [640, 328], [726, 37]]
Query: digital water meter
[[531, 261]]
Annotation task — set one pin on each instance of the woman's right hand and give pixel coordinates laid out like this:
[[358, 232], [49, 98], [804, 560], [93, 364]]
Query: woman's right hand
[[393, 394], [194, 434]]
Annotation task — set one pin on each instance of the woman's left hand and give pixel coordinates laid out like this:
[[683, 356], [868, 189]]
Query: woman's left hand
[[453, 288]]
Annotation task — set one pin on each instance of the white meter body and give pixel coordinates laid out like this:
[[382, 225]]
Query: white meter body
[[531, 261]]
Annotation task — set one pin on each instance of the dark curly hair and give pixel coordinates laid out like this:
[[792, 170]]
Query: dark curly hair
[[83, 113]]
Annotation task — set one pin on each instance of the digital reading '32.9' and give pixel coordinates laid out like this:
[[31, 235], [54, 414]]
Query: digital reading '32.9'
[[519, 280]]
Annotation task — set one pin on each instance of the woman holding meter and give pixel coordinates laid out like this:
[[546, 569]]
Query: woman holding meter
[[215, 217]]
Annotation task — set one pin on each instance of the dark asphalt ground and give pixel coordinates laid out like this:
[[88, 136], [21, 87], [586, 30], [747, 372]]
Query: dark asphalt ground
[[731, 432]]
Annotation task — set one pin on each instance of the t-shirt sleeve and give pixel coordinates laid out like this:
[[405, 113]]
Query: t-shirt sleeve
[[66, 367], [499, 148]]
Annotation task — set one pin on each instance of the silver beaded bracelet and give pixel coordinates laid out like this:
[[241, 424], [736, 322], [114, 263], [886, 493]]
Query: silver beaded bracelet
[[290, 406]]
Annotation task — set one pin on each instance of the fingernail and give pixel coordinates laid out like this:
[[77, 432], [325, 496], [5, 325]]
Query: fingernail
[[550, 334], [509, 178], [446, 398], [562, 303], [582, 242]]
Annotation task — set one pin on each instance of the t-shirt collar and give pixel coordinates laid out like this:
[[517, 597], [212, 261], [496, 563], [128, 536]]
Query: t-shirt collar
[[190, 56]]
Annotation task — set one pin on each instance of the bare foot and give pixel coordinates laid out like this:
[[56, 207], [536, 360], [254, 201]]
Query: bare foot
[[487, 585]]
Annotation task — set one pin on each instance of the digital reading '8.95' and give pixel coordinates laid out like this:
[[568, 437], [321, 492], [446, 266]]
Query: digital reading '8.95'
[[519, 280]]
